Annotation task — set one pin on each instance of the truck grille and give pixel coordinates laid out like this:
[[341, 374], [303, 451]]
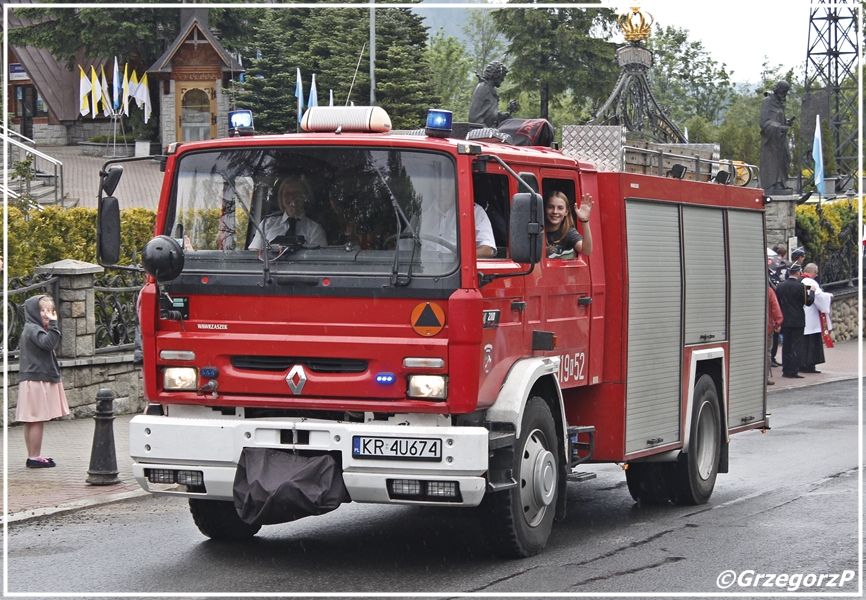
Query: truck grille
[[284, 363]]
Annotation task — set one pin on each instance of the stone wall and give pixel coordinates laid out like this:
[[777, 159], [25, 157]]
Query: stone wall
[[82, 131], [845, 314], [84, 372], [780, 215], [168, 133], [49, 135], [83, 378]]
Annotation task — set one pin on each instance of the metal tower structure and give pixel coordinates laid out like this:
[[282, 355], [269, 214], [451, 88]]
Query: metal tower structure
[[831, 85]]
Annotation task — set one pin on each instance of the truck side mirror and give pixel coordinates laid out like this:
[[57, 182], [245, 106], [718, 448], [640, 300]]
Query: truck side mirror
[[527, 228], [110, 179], [108, 231]]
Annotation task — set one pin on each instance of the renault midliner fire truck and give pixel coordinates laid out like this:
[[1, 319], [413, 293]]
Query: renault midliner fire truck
[[390, 365]]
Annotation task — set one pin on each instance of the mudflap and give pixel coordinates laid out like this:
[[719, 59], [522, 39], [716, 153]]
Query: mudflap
[[273, 486]]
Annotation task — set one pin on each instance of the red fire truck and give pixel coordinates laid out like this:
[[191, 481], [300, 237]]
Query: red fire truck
[[385, 363]]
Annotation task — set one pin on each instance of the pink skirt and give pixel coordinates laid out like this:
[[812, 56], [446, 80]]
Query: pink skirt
[[40, 401]]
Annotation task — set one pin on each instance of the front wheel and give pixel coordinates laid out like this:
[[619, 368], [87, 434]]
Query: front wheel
[[218, 520], [522, 517], [695, 473]]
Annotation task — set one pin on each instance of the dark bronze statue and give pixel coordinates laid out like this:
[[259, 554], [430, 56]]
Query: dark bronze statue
[[484, 107], [775, 154]]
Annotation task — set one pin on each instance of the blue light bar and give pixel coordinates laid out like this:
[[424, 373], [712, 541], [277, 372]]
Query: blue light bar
[[386, 378], [438, 122]]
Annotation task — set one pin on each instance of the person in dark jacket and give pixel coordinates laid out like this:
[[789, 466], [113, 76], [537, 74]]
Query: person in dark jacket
[[793, 296], [40, 390]]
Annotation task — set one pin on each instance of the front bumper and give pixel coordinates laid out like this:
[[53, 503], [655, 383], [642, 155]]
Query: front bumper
[[213, 446]]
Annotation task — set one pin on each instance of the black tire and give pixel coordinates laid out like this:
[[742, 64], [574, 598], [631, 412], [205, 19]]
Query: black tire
[[218, 520], [648, 482], [695, 473], [521, 518]]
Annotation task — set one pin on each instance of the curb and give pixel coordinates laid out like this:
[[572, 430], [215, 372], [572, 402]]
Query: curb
[[38, 513], [800, 386]]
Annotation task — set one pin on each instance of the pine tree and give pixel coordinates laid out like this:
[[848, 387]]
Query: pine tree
[[269, 89], [451, 74], [403, 84], [555, 50]]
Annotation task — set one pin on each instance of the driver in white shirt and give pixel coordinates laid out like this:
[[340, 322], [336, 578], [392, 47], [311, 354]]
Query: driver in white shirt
[[292, 193]]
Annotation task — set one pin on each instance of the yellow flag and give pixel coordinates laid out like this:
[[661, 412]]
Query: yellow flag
[[97, 91], [83, 93]]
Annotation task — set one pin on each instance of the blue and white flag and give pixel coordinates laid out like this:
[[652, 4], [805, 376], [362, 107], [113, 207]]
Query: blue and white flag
[[115, 83], [241, 63], [818, 156], [299, 94], [314, 95]]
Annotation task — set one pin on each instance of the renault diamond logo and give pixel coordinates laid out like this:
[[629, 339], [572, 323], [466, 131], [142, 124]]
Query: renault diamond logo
[[296, 379]]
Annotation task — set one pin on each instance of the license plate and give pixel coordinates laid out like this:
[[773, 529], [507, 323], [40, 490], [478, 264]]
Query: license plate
[[399, 448]]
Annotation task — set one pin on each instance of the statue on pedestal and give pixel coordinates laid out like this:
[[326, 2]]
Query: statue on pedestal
[[775, 154], [484, 107]]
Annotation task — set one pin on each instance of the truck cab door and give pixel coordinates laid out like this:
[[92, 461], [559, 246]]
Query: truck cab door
[[564, 290]]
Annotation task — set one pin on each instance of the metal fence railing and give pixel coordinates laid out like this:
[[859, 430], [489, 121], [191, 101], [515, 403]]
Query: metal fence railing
[[19, 289], [115, 299]]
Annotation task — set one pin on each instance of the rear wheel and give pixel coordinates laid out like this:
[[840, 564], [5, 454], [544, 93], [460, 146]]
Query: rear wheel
[[648, 482], [522, 517], [218, 520], [695, 473]]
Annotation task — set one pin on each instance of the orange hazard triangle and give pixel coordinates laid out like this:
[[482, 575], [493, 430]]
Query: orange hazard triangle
[[427, 319]]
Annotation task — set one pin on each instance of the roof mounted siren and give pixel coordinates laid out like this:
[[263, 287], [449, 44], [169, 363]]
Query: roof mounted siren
[[339, 119], [438, 123]]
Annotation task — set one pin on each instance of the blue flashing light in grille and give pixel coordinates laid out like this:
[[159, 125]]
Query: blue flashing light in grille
[[386, 378], [210, 372]]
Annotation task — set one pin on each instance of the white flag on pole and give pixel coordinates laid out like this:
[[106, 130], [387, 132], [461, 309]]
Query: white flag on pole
[[83, 93]]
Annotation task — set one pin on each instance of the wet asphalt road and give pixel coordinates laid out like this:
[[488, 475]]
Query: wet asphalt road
[[788, 507]]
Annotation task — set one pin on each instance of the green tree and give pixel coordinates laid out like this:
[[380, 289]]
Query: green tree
[[450, 68], [685, 80], [403, 84], [131, 34], [270, 80], [329, 43], [485, 41], [556, 50]]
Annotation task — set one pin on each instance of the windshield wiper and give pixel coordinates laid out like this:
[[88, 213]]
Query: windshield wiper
[[416, 241]]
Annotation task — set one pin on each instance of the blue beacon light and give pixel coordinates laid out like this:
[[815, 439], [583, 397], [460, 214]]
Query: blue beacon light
[[385, 378], [438, 123]]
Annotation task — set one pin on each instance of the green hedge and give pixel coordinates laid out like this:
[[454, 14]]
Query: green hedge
[[55, 234], [825, 228]]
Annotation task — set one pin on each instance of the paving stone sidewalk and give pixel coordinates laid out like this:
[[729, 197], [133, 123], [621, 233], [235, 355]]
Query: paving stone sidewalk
[[139, 187]]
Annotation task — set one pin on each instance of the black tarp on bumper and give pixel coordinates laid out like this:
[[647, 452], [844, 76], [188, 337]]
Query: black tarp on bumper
[[272, 486]]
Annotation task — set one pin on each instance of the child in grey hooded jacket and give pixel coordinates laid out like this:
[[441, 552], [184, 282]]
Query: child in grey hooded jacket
[[41, 396]]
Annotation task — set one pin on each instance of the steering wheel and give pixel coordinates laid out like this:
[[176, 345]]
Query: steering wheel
[[405, 235]]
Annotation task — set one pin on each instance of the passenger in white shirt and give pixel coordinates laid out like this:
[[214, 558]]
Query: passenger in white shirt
[[292, 193], [445, 229]]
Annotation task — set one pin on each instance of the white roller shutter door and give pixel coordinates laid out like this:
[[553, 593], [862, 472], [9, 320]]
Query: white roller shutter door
[[748, 328], [654, 324], [705, 274]]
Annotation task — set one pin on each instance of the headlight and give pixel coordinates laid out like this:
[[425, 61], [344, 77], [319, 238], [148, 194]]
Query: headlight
[[179, 378], [428, 387]]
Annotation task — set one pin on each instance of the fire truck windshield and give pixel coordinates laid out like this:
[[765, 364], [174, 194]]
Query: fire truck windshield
[[316, 210]]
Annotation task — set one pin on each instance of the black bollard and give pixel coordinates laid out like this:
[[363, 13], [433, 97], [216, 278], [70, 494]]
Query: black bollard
[[103, 461]]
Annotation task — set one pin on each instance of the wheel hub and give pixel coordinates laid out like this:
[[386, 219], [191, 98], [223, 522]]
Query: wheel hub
[[537, 478]]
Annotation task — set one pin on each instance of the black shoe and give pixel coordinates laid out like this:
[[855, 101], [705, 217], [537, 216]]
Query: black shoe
[[774, 363], [38, 464], [794, 376]]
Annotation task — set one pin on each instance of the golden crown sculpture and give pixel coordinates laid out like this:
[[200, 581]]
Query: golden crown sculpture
[[636, 26]]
